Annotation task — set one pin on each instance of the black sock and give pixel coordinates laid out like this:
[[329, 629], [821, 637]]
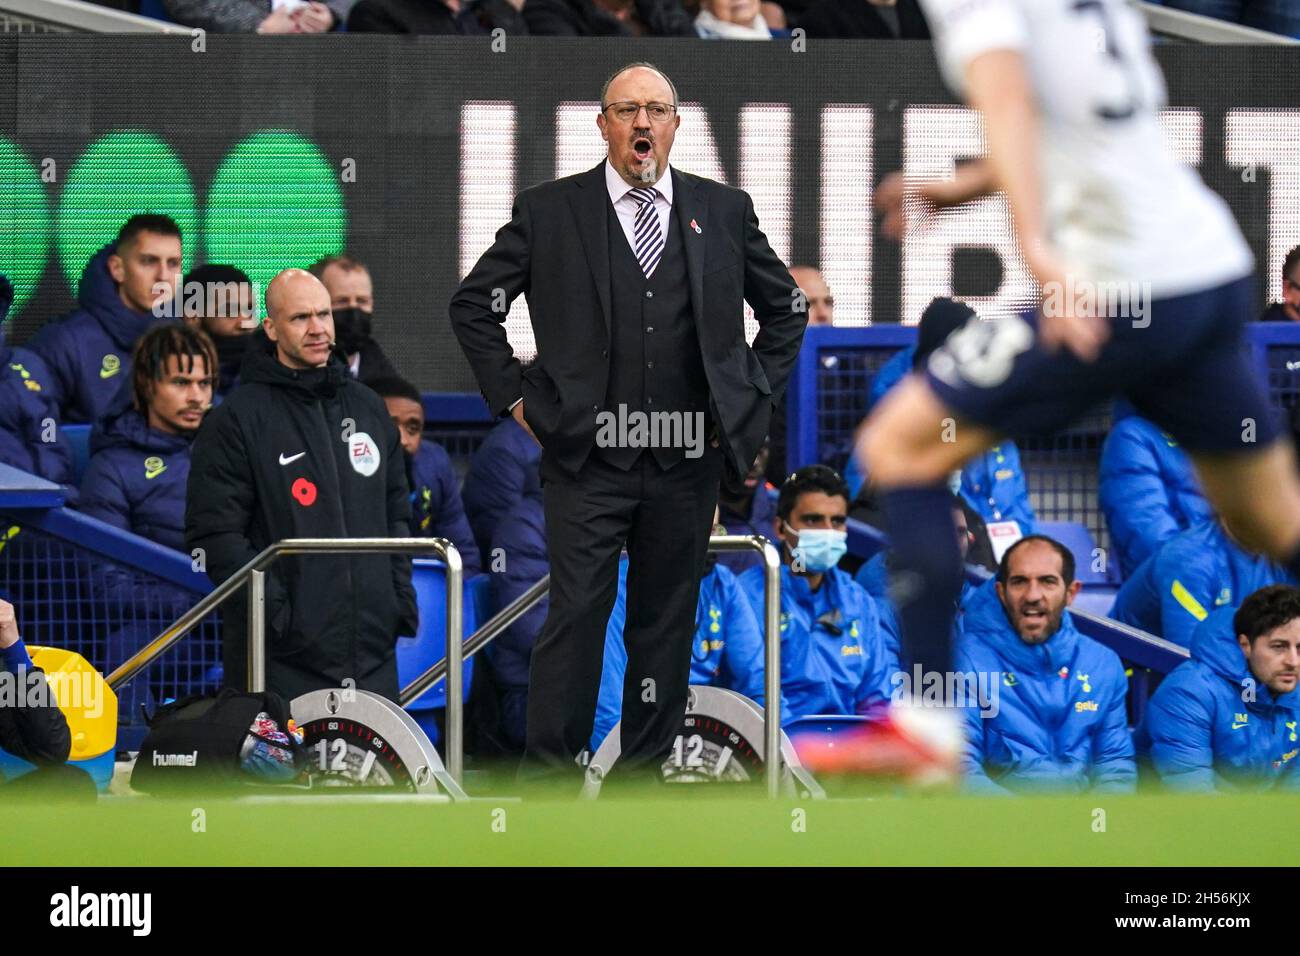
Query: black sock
[[927, 573]]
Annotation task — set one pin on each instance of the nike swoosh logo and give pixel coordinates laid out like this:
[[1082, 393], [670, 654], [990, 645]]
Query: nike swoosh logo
[[108, 373], [291, 458], [1238, 726]]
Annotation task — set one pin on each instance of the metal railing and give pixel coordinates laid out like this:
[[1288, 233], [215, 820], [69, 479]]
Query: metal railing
[[451, 667], [74, 16], [1195, 28], [771, 636], [254, 575]]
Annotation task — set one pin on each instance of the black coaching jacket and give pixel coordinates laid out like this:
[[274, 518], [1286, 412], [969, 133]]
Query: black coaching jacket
[[305, 454]]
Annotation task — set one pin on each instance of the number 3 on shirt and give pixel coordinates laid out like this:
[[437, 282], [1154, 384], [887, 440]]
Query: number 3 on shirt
[[1129, 105], [984, 352]]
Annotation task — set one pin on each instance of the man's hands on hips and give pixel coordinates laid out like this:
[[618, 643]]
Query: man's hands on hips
[[518, 413], [8, 625]]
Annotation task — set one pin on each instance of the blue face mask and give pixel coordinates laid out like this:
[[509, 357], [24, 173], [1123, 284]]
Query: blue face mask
[[820, 549]]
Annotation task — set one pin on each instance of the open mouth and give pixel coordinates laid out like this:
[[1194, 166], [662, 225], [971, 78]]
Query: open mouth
[[642, 147]]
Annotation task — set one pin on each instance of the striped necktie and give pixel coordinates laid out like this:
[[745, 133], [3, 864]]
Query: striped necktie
[[647, 234]]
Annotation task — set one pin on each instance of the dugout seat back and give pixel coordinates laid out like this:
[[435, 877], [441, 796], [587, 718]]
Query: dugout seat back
[[78, 439], [1078, 539], [417, 654]]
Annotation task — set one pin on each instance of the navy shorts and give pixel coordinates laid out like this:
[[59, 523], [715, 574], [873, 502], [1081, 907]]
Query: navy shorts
[[1184, 365]]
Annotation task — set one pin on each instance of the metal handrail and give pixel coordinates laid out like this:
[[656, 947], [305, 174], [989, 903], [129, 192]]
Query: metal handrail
[[1197, 28], [452, 666], [87, 17], [253, 574], [772, 638], [490, 631]]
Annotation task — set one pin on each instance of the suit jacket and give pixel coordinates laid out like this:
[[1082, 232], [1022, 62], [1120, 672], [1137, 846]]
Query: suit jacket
[[555, 251]]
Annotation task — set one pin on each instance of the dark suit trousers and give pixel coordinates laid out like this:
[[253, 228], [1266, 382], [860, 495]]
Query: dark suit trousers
[[664, 517]]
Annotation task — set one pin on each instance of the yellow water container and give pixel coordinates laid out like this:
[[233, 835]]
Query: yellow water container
[[87, 702]]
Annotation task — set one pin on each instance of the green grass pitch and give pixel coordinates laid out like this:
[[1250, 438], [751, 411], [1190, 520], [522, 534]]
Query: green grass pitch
[[686, 830]]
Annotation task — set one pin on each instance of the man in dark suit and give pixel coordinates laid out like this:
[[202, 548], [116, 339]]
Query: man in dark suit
[[635, 277]]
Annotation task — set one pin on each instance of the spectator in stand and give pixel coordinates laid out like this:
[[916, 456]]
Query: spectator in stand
[[1149, 491], [436, 510], [728, 650], [455, 17], [499, 471], [1288, 308], [748, 509], [821, 304], [28, 413], [1275, 16], [88, 352], [585, 18], [835, 656], [993, 484], [260, 16], [1194, 573], [1059, 722], [821, 311], [733, 20], [865, 20], [221, 301], [1226, 720], [520, 537], [352, 299]]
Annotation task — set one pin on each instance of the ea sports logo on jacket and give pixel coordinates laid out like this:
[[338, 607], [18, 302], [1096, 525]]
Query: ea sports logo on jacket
[[363, 453]]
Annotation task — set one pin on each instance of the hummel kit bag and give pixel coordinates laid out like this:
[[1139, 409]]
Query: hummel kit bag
[[223, 739]]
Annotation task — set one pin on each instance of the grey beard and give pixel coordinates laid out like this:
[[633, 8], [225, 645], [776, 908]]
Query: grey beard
[[650, 174]]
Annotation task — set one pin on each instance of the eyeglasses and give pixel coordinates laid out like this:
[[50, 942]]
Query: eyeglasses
[[626, 112]]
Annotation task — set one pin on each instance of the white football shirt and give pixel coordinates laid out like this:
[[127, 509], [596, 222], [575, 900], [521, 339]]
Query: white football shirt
[[1118, 205]]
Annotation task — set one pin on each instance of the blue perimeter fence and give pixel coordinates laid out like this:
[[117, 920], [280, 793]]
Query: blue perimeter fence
[[81, 584]]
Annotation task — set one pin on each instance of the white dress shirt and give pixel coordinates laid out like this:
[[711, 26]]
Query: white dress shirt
[[626, 206]]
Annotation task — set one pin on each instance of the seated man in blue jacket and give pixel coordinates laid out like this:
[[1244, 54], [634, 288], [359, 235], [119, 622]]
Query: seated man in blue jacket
[[874, 577], [520, 536], [1226, 720], [992, 483], [1193, 573], [835, 658], [747, 509], [124, 289], [1059, 722], [140, 451], [1149, 491], [436, 510], [29, 416], [728, 649], [499, 471], [137, 476], [222, 302]]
